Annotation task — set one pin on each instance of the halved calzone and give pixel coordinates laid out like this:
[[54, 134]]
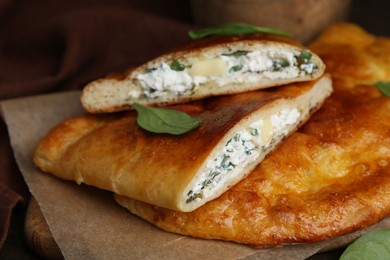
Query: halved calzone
[[206, 67], [180, 172]]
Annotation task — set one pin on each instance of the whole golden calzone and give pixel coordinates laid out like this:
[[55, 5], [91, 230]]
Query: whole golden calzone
[[206, 67], [180, 172], [329, 178]]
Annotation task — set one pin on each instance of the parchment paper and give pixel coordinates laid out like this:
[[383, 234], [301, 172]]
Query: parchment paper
[[88, 224]]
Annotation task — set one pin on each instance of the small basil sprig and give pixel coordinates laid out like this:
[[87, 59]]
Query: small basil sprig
[[383, 87], [374, 245], [167, 121], [234, 29]]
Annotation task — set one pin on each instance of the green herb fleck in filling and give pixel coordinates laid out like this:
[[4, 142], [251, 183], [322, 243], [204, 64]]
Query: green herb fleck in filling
[[236, 68], [225, 161], [305, 56], [177, 66], [303, 62], [254, 132], [193, 196], [279, 64], [148, 70], [237, 53]]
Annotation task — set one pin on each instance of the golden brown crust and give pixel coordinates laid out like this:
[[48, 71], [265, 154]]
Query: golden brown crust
[[118, 155], [330, 178], [352, 55]]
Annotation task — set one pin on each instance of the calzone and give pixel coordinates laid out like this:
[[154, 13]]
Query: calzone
[[206, 67], [182, 172]]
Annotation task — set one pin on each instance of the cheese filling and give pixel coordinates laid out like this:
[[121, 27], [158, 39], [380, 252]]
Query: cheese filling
[[238, 67], [243, 148]]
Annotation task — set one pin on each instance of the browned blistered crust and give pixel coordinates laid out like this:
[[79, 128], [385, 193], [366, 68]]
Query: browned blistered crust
[[353, 56], [119, 156], [330, 178]]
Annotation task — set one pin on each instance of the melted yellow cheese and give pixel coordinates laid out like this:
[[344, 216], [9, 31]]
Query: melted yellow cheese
[[267, 131], [212, 67]]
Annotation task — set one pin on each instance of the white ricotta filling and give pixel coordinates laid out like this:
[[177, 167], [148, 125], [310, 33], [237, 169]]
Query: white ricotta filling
[[243, 148], [164, 79], [245, 68]]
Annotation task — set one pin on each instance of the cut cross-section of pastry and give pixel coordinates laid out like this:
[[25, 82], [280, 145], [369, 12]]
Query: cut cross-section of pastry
[[180, 172], [206, 67]]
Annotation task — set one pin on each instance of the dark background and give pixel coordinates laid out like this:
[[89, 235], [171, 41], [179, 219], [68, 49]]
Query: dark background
[[18, 17]]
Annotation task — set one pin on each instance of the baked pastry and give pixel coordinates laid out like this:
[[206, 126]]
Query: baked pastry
[[354, 57], [330, 178], [206, 67], [180, 172]]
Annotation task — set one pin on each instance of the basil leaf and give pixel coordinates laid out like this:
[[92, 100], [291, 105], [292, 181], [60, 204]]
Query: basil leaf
[[162, 120], [384, 87], [175, 65], [374, 245], [234, 29]]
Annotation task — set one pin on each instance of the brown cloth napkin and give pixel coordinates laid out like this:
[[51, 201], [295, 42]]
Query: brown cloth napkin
[[53, 45]]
